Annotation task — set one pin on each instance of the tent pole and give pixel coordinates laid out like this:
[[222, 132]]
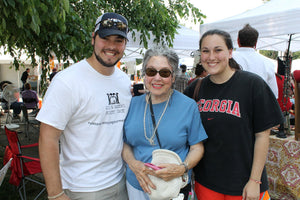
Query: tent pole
[[286, 88]]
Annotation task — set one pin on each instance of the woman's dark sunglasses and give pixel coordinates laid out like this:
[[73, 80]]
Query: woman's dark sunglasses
[[165, 73]]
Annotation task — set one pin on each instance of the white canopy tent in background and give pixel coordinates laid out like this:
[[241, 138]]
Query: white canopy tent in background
[[274, 20], [185, 42]]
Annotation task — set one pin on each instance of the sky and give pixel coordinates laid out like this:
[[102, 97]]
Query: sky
[[220, 9]]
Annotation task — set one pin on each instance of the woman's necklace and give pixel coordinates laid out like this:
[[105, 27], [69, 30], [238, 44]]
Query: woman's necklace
[[151, 139]]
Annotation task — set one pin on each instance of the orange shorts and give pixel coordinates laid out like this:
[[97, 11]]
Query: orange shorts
[[203, 193]]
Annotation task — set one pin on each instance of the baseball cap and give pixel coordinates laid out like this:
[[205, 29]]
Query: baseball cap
[[111, 24]]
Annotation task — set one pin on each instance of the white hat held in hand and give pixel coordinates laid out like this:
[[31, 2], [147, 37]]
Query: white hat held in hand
[[166, 190]]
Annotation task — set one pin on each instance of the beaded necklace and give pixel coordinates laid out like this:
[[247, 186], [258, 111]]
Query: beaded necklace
[[151, 139]]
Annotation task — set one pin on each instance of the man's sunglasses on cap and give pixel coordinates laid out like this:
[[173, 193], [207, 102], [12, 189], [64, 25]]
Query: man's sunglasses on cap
[[113, 23], [165, 73]]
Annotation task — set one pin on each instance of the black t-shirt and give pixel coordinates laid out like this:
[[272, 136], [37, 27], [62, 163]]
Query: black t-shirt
[[24, 77], [231, 114]]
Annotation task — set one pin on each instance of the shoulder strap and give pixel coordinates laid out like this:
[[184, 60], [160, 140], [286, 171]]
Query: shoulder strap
[[197, 88], [153, 120]]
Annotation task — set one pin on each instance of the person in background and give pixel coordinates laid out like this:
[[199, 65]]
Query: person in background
[[81, 133], [181, 79], [178, 126], [238, 109], [24, 77], [30, 98], [252, 61], [200, 72], [54, 71]]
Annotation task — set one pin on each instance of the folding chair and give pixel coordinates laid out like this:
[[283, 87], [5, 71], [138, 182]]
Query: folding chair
[[30, 97], [21, 172], [28, 122], [31, 104]]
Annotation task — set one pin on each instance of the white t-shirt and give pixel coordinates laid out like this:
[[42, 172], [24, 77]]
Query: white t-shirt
[[90, 108], [252, 61]]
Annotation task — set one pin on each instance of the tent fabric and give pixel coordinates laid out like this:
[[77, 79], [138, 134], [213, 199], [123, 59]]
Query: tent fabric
[[185, 42], [185, 39], [274, 20]]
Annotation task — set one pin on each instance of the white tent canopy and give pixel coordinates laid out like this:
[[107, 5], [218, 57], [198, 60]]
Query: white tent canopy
[[185, 42], [274, 20]]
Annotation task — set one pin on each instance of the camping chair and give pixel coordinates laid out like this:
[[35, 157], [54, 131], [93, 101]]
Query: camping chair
[[29, 122], [31, 104], [21, 172]]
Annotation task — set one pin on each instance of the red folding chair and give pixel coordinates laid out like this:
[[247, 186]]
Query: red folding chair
[[22, 167]]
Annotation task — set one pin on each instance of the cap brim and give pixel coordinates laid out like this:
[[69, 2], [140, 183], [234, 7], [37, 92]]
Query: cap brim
[[107, 32]]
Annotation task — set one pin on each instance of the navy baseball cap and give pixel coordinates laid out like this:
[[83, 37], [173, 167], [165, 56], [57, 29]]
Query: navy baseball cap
[[111, 24]]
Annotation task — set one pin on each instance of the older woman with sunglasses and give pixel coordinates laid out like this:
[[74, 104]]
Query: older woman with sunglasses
[[176, 120]]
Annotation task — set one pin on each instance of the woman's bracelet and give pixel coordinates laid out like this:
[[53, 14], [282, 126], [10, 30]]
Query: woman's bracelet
[[56, 196], [256, 181], [185, 166]]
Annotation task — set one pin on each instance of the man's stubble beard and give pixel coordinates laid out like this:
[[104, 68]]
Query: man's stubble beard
[[101, 61]]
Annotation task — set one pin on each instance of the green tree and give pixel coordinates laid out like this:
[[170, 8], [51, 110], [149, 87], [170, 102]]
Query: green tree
[[269, 53], [274, 54], [296, 55], [63, 27]]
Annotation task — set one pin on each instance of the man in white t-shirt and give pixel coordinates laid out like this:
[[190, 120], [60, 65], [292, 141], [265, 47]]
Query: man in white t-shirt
[[252, 61], [84, 110]]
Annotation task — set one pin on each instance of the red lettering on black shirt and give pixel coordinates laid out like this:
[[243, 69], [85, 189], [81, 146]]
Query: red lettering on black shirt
[[228, 106]]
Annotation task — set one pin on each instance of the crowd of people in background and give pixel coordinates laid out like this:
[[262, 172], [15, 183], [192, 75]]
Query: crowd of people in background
[[24, 96]]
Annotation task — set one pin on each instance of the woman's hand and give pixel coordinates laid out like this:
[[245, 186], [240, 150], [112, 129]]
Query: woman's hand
[[141, 172], [169, 171], [251, 191]]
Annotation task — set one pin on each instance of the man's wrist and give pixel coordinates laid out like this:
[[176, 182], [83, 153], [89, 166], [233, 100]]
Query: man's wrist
[[56, 196]]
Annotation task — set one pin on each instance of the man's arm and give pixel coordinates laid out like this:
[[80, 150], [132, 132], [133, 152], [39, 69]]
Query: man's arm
[[49, 157]]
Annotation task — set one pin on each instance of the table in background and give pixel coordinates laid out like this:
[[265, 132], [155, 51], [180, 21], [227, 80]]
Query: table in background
[[283, 168]]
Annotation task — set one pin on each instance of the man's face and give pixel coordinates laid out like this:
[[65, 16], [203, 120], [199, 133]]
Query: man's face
[[109, 50]]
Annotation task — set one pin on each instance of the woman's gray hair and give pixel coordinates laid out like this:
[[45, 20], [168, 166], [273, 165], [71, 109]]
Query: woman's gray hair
[[171, 56]]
